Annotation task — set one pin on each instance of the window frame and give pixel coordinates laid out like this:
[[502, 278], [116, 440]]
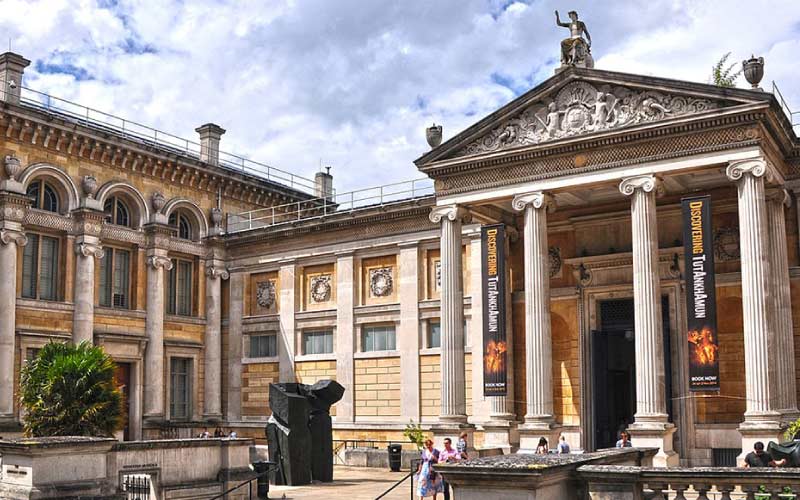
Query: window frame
[[113, 217], [35, 240], [365, 330], [317, 332], [189, 387], [262, 335], [438, 323], [171, 290], [180, 220], [39, 198], [109, 259]]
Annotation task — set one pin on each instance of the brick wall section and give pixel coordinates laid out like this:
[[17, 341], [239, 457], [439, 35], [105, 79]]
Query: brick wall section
[[256, 378], [430, 379], [566, 369], [727, 406], [310, 372], [377, 387]]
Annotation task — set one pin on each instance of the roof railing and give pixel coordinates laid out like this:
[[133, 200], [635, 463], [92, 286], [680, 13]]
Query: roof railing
[[318, 208], [156, 138], [794, 116]]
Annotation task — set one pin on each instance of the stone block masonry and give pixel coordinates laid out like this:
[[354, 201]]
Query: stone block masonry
[[377, 388]]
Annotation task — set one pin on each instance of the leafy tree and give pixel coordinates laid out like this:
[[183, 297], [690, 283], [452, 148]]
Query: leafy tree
[[724, 76], [414, 433], [70, 390]]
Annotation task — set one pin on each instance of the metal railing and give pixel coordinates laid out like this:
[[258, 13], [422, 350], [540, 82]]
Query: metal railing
[[362, 199], [794, 116], [150, 136], [414, 466]]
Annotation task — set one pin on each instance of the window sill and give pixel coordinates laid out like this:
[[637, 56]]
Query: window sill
[[376, 354], [254, 361], [53, 305], [194, 320], [330, 356], [119, 311], [428, 351]]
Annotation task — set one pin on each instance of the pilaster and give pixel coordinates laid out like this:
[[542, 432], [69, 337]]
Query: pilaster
[[287, 275], [215, 273], [345, 335], [235, 314], [651, 426], [408, 338], [88, 248], [157, 262]]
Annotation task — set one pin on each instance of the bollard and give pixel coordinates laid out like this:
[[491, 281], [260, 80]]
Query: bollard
[[262, 467]]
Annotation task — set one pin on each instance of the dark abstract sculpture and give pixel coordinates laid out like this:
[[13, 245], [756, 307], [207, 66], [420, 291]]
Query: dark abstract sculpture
[[299, 432], [789, 450]]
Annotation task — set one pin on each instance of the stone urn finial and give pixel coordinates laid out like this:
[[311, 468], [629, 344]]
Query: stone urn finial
[[753, 70], [12, 166], [433, 135], [158, 201], [89, 185]]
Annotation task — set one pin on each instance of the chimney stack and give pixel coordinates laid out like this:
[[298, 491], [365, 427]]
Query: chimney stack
[[323, 184], [210, 135], [12, 67]]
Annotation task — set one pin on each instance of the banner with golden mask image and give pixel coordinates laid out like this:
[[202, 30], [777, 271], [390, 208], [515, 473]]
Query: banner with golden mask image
[[701, 301], [493, 276]]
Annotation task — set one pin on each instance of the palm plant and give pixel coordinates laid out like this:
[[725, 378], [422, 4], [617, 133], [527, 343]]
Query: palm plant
[[724, 76], [70, 390]]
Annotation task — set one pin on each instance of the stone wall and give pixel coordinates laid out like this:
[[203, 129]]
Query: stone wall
[[256, 378], [377, 388]]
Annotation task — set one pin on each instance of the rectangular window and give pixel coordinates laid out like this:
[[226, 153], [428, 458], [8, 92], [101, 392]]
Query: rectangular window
[[179, 290], [180, 406], [263, 346], [40, 268], [115, 269], [318, 342], [378, 338], [434, 335]]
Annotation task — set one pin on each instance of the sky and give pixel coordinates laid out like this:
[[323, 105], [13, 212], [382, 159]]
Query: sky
[[352, 84]]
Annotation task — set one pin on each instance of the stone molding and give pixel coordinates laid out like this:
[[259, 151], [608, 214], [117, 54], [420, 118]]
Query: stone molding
[[536, 199], [89, 250], [158, 261], [647, 183], [449, 212], [8, 236], [215, 272]]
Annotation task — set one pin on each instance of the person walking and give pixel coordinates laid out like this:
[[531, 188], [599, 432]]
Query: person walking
[[461, 446], [449, 455], [563, 446], [429, 483], [624, 440], [542, 449]]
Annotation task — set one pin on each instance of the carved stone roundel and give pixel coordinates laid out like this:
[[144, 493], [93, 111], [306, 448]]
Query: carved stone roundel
[[726, 243], [265, 294], [381, 282], [321, 288]]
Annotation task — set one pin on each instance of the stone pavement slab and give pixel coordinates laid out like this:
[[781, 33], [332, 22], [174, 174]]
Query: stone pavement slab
[[352, 483]]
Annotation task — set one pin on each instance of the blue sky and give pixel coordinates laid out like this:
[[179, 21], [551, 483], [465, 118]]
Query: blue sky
[[353, 83]]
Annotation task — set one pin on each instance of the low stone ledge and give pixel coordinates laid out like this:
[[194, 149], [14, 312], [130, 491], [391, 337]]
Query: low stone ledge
[[181, 443]]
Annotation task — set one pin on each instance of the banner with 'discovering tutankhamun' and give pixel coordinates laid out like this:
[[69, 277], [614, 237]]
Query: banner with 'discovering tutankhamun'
[[493, 277], [701, 300]]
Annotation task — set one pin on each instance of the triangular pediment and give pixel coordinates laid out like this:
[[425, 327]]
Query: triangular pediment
[[584, 102]]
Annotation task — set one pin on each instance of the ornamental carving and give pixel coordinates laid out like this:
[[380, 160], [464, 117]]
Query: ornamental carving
[[320, 288], [265, 294], [159, 261], [90, 250], [8, 236], [581, 108], [381, 282], [554, 253], [217, 272], [12, 166], [726, 244]]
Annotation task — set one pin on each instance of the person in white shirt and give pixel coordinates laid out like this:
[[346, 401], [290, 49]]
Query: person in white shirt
[[563, 446]]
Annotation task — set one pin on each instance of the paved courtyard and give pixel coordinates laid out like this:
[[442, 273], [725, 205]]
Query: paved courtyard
[[355, 483]]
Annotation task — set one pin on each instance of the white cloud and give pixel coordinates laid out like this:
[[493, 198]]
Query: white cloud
[[353, 84]]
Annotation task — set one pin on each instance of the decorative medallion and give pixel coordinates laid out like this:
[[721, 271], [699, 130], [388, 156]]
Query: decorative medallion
[[726, 244], [381, 282], [555, 261], [581, 108], [321, 288], [265, 294]]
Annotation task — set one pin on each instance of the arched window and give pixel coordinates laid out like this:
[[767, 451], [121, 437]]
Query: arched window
[[181, 221], [117, 212], [43, 195]]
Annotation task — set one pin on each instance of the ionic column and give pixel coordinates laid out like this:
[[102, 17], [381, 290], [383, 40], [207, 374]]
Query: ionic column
[[157, 263], [453, 397], [212, 387], [87, 249], [782, 303], [761, 418], [651, 426], [538, 341], [10, 239]]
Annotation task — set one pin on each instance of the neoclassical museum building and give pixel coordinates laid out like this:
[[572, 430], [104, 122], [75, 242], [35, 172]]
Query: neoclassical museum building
[[207, 276]]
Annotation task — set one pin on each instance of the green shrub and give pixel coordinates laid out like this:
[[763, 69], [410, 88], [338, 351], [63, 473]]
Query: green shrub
[[414, 433]]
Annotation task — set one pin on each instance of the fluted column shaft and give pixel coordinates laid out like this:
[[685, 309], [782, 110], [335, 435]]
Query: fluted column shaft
[[650, 398], [212, 361], [782, 302], [9, 241], [157, 263], [538, 339], [453, 389], [87, 249]]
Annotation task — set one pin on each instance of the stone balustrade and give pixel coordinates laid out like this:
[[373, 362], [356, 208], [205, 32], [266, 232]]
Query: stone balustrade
[[606, 482]]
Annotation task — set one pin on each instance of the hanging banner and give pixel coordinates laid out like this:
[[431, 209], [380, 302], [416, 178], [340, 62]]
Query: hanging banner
[[701, 297], [493, 277]]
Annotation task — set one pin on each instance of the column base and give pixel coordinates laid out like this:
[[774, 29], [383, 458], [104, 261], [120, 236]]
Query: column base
[[452, 430], [789, 415], [215, 418], [533, 430], [10, 426], [762, 427], [655, 432], [153, 420], [500, 432]]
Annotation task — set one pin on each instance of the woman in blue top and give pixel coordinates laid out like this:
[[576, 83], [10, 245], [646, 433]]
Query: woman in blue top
[[429, 483]]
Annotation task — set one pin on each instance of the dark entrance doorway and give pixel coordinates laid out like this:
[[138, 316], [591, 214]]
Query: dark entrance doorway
[[614, 369], [123, 376]]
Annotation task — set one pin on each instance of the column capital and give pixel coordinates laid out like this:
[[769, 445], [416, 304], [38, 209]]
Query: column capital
[[647, 183], [9, 235], [89, 249], [214, 272], [449, 212], [779, 195], [159, 261], [757, 167], [537, 199]]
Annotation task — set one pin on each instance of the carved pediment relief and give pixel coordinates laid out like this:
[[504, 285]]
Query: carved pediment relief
[[581, 108]]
